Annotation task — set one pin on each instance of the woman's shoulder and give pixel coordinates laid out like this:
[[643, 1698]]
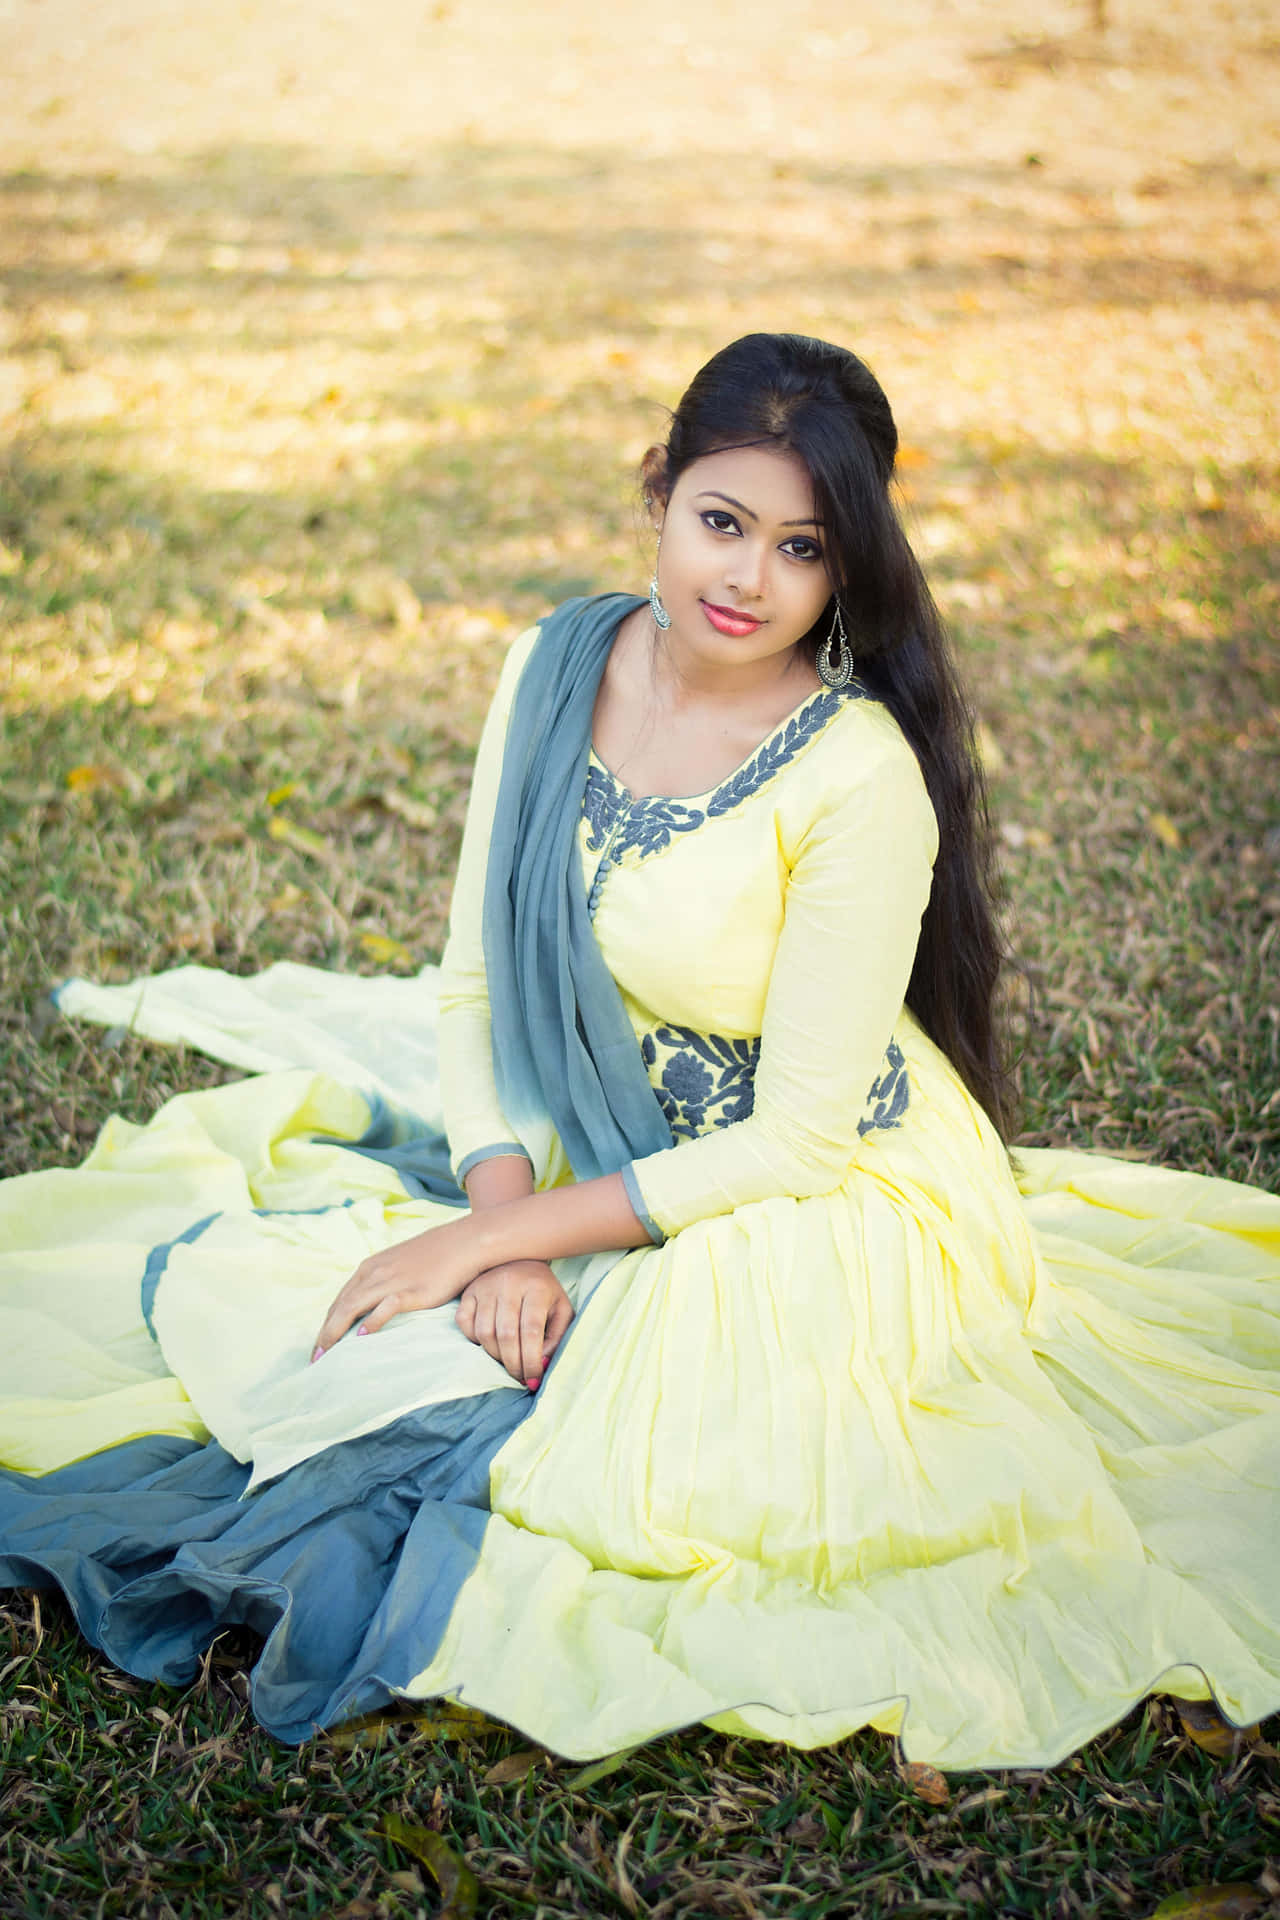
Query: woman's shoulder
[[862, 742], [861, 760]]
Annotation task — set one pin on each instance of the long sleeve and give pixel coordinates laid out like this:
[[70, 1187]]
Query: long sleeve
[[858, 886], [474, 1120]]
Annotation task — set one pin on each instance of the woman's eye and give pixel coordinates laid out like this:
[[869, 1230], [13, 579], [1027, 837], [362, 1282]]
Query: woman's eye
[[803, 550], [719, 521]]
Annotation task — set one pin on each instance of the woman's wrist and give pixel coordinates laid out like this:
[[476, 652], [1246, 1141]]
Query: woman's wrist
[[492, 1182], [585, 1217]]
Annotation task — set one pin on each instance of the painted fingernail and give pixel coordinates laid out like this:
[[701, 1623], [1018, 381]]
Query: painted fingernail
[[361, 1329], [317, 1355], [533, 1385]]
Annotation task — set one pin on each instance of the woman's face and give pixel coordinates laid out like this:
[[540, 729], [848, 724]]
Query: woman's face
[[741, 569]]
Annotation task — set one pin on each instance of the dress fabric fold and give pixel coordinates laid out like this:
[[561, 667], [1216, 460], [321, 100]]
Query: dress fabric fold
[[887, 1431]]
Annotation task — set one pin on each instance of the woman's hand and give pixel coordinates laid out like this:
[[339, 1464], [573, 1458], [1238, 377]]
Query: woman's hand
[[518, 1313], [424, 1271], [591, 1216]]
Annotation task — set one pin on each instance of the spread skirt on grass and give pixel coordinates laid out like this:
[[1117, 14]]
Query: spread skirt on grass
[[976, 1456]]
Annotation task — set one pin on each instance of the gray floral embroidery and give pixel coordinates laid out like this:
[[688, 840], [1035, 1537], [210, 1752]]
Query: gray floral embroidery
[[602, 803], [649, 823], [891, 1093], [778, 750], [618, 822], [702, 1080]]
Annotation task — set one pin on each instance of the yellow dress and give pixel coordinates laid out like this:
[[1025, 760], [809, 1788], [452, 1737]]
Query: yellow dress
[[880, 1430]]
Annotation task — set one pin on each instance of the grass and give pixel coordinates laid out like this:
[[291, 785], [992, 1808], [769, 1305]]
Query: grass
[[300, 433], [129, 1799]]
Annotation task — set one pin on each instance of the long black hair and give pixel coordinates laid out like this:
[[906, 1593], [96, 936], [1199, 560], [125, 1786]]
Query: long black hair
[[825, 405]]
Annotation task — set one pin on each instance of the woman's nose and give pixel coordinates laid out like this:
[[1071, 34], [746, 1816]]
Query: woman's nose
[[746, 572]]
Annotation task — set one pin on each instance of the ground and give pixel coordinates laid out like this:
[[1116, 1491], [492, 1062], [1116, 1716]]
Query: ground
[[332, 335]]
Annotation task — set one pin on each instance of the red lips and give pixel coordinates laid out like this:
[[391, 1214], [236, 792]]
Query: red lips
[[726, 620]]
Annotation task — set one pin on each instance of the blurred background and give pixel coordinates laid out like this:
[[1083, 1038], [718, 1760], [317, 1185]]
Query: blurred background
[[330, 337]]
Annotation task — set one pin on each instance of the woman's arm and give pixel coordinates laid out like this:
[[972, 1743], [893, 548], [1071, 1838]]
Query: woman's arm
[[518, 1312], [436, 1266], [858, 884], [858, 887]]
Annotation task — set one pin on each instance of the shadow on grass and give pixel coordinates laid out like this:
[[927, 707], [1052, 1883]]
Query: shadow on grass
[[565, 243], [437, 383]]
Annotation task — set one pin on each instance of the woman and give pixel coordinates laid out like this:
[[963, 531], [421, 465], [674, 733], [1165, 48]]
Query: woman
[[843, 1426]]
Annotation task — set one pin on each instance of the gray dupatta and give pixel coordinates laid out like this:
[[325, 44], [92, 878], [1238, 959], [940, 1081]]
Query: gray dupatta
[[563, 1046]]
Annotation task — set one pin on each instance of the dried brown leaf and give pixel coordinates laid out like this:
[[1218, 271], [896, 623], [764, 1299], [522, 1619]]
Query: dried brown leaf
[[1203, 1724], [459, 1888], [515, 1767], [927, 1783], [1233, 1901]]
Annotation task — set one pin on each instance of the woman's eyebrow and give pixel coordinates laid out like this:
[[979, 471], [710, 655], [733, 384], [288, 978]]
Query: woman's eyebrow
[[731, 502]]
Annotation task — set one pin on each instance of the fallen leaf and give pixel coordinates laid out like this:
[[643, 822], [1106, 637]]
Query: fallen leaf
[[1163, 829], [301, 839], [459, 1888], [927, 1783], [277, 794], [1202, 1723], [88, 779], [386, 951], [414, 813], [1234, 1901], [984, 1798], [448, 1721], [601, 1769], [515, 1767], [358, 1734], [289, 896]]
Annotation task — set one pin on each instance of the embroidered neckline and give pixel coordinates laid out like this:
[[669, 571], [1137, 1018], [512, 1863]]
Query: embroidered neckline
[[617, 820], [781, 743]]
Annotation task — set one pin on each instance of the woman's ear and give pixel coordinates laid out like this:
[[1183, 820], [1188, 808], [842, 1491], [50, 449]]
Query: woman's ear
[[655, 485]]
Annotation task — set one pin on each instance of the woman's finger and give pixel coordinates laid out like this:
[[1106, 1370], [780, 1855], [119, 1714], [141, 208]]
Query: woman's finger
[[367, 1285], [386, 1309], [339, 1320], [558, 1322], [465, 1315], [533, 1328], [507, 1326], [485, 1334]]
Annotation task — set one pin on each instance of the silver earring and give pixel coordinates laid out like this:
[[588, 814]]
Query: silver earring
[[661, 618], [832, 674]]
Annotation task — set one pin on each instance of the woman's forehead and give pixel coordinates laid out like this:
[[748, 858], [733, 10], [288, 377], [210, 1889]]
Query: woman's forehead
[[771, 482]]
